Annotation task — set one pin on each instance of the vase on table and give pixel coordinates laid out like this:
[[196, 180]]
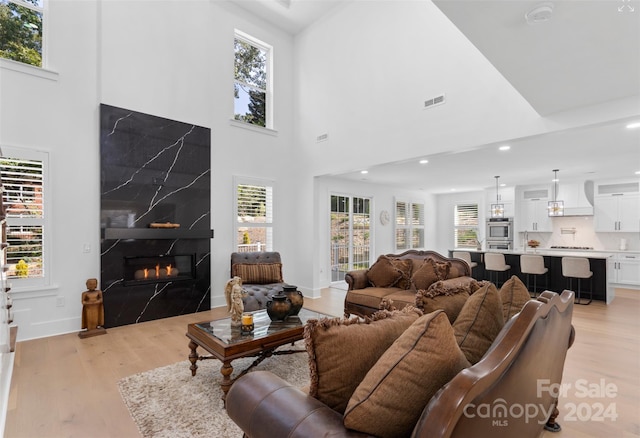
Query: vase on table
[[295, 297], [278, 307]]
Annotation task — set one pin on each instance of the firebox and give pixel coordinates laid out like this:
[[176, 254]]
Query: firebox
[[158, 269]]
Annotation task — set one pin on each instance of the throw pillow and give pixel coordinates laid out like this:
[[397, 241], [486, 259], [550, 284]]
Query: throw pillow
[[404, 265], [479, 322], [451, 304], [425, 275], [514, 295], [341, 351], [383, 273], [442, 269], [258, 273], [391, 397], [453, 286]]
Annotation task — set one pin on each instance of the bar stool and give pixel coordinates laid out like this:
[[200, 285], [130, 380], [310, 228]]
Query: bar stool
[[466, 256], [578, 268], [533, 265], [494, 262]]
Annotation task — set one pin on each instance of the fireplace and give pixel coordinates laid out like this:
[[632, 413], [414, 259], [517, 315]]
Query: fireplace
[[153, 171], [158, 269]]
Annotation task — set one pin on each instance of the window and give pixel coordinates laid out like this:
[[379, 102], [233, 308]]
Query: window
[[23, 177], [254, 215], [21, 23], [409, 225], [466, 226], [350, 234], [251, 87]]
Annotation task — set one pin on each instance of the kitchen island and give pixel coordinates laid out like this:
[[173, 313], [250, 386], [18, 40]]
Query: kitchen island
[[598, 260]]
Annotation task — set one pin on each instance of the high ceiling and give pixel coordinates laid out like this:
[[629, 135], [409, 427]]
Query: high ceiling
[[586, 53]]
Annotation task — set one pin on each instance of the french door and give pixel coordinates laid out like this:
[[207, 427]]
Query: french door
[[350, 234]]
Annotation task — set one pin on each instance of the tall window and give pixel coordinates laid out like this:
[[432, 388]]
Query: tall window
[[21, 23], [254, 215], [350, 234], [466, 226], [251, 88], [23, 199], [409, 225]]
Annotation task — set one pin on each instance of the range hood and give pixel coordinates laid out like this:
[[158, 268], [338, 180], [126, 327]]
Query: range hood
[[578, 198]]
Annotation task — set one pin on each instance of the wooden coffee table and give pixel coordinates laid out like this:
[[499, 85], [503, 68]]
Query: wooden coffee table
[[226, 343]]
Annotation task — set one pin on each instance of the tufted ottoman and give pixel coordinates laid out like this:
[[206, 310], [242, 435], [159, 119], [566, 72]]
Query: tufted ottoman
[[261, 274]]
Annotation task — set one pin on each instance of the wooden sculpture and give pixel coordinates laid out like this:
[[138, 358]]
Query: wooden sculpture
[[92, 310]]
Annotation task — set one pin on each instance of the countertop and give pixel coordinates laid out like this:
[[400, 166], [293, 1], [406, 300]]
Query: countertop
[[558, 252]]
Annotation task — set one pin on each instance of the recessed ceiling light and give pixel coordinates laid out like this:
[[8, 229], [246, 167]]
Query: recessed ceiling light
[[364, 172], [504, 148], [633, 125], [503, 185], [540, 13], [423, 161], [637, 172]]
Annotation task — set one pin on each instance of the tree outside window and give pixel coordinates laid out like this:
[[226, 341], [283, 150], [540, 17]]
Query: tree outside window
[[251, 80], [21, 30]]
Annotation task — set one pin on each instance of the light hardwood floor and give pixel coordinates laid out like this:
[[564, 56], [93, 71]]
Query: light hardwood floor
[[64, 386]]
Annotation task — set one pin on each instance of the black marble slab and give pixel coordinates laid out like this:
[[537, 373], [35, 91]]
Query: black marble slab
[[153, 170]]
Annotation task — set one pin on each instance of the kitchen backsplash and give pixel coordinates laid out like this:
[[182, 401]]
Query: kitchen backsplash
[[579, 231]]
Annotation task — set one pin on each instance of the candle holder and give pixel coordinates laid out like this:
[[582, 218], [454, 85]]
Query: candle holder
[[247, 326]]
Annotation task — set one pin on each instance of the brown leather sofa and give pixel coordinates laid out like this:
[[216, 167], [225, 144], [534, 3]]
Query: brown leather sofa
[[530, 348], [261, 273], [364, 298]]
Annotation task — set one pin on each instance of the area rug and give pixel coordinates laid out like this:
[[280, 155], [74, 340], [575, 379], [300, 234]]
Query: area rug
[[169, 402]]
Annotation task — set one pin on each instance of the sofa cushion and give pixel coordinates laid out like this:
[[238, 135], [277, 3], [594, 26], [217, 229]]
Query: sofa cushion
[[392, 395], [370, 296], [425, 275], [341, 351], [383, 273], [514, 295], [258, 273], [479, 322]]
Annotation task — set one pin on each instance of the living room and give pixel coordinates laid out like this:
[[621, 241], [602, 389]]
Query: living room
[[175, 60]]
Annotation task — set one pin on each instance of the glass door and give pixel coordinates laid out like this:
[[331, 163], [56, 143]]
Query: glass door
[[350, 234]]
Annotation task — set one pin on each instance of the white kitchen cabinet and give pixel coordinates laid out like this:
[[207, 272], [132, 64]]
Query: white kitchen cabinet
[[617, 212], [624, 269], [534, 216]]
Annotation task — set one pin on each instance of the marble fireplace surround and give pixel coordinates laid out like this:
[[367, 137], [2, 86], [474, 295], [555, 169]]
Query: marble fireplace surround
[[153, 170]]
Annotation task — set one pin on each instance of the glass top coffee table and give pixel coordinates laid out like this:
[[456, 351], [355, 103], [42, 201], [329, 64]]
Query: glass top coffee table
[[227, 343]]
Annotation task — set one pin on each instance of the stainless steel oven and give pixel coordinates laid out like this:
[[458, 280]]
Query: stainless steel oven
[[499, 229], [500, 244]]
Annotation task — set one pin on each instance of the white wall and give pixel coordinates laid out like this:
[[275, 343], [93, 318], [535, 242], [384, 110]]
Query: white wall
[[360, 75], [166, 58]]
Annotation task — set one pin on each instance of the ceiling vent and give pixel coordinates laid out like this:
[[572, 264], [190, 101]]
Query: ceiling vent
[[438, 100], [322, 137]]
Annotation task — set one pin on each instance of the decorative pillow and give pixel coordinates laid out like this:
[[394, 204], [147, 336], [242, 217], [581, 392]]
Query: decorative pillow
[[383, 273], [451, 304], [453, 286], [425, 275], [442, 269], [258, 273], [479, 322], [391, 397], [341, 351], [514, 295], [404, 265]]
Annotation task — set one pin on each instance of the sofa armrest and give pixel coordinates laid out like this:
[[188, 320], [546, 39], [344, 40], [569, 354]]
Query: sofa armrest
[[264, 405], [357, 279]]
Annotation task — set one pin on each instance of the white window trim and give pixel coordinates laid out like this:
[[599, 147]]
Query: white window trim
[[238, 180], [465, 227], [45, 282], [409, 227], [269, 95]]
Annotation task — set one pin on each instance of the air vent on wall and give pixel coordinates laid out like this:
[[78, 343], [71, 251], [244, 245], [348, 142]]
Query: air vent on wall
[[438, 100], [322, 137]]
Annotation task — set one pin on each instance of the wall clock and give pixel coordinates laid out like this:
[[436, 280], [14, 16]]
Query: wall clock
[[384, 217]]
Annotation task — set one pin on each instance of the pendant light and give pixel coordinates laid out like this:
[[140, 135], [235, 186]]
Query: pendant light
[[497, 209], [555, 208]]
